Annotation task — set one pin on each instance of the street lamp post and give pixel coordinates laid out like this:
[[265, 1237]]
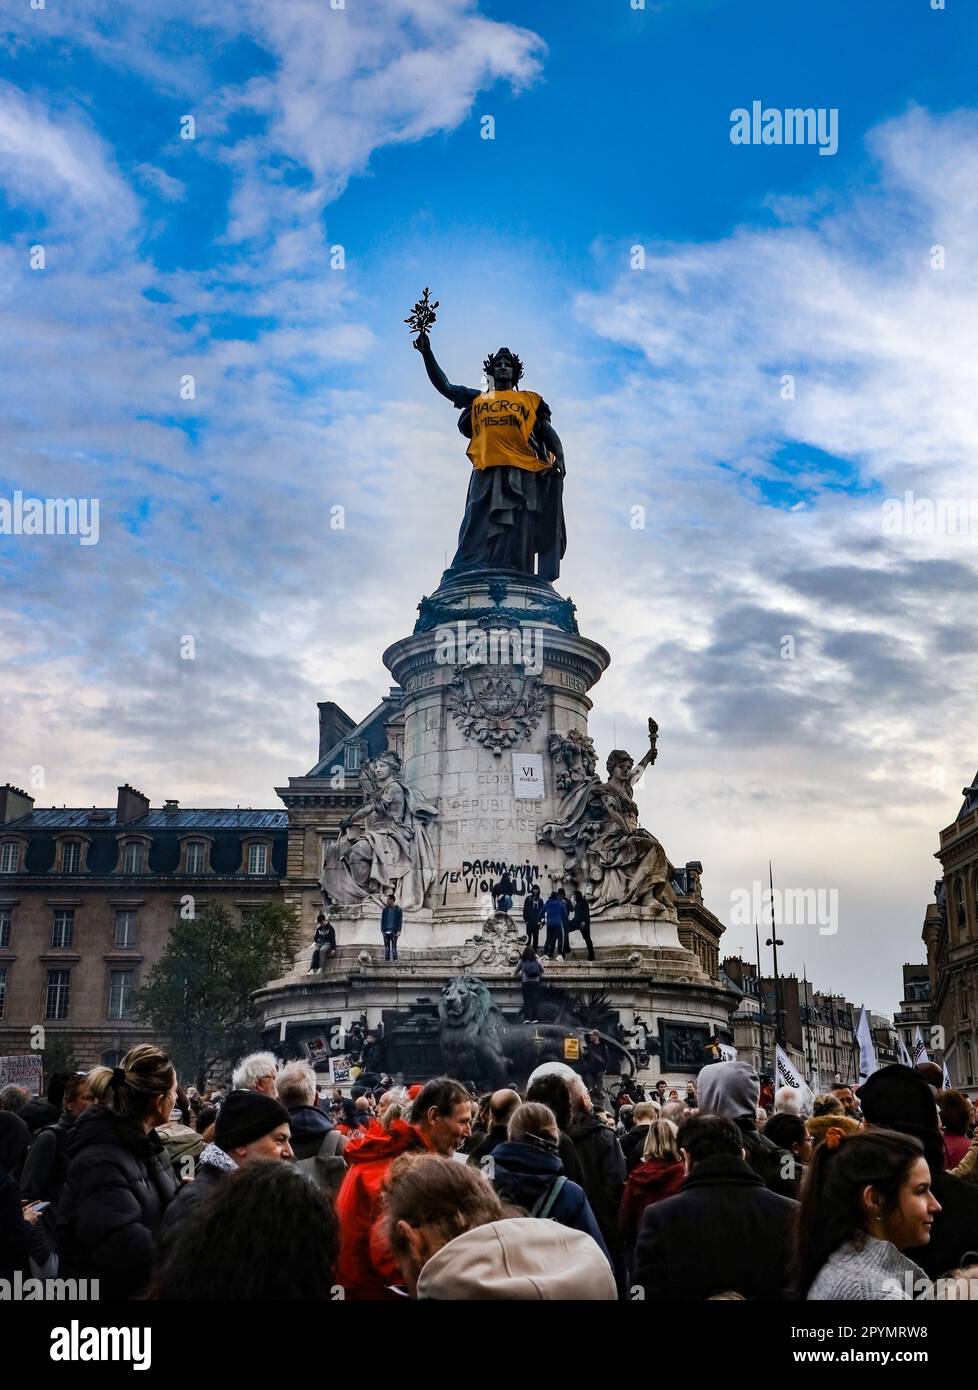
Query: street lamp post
[[773, 940]]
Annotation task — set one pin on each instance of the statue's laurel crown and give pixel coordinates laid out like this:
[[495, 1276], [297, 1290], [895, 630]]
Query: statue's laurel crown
[[517, 363]]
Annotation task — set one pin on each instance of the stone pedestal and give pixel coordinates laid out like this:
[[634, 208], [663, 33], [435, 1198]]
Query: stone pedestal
[[494, 667], [465, 723]]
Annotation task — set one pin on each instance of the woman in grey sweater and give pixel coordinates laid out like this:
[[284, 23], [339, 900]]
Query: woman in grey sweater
[[867, 1198]]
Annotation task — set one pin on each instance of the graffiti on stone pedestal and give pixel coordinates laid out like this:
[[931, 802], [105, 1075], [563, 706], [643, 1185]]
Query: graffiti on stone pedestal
[[476, 877]]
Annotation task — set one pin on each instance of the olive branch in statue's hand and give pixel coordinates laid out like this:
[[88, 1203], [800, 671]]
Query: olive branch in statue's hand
[[421, 318]]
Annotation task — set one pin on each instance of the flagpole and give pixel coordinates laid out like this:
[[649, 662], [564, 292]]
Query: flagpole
[[760, 991]]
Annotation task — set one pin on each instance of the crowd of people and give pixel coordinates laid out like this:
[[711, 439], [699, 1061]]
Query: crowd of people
[[273, 1189]]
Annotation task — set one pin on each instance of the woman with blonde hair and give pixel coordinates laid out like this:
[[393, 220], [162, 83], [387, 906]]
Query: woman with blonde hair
[[119, 1180], [660, 1173]]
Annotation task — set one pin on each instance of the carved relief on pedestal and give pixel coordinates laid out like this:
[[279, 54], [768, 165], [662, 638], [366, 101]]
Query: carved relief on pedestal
[[494, 706], [499, 943]]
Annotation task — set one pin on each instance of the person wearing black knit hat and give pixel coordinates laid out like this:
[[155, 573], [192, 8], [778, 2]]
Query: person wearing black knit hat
[[899, 1098], [249, 1126]]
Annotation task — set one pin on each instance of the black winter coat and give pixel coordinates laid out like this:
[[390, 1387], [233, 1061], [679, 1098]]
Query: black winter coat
[[532, 910], [310, 1126], [633, 1144], [775, 1167], [119, 1183], [724, 1232], [602, 1174], [186, 1202], [42, 1177], [488, 1142]]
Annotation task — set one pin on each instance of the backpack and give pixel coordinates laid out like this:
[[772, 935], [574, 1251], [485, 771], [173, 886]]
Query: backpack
[[327, 1168], [544, 1204]]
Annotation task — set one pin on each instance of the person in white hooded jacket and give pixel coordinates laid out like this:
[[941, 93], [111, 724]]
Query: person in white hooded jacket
[[453, 1240]]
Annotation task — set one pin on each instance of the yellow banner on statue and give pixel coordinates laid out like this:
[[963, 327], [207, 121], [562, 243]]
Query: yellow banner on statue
[[572, 1049]]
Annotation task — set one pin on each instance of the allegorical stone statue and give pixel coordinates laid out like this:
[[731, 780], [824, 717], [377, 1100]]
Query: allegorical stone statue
[[610, 857], [514, 511], [390, 850]]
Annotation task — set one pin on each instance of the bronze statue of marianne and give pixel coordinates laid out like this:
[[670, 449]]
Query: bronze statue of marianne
[[514, 510]]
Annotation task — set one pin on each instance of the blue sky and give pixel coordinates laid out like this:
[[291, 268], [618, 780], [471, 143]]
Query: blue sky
[[361, 127]]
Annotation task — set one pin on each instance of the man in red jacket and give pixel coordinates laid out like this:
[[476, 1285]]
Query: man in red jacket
[[441, 1119]]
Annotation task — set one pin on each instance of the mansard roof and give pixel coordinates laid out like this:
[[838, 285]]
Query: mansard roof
[[102, 818], [970, 802]]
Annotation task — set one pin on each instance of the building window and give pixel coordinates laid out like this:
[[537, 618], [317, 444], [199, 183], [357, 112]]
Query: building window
[[195, 857], [125, 930], [121, 985], [351, 757], [70, 857], [56, 994], [132, 859], [6, 922], [112, 1059], [257, 859], [63, 931], [3, 989], [9, 857]]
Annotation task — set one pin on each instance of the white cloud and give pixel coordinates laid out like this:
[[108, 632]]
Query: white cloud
[[49, 163]]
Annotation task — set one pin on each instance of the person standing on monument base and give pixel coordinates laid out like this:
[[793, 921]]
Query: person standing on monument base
[[530, 973], [555, 916], [533, 916], [390, 926], [579, 919]]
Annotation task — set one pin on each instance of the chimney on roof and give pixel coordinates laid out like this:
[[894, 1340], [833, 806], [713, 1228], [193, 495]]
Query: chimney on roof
[[14, 803], [334, 724], [170, 806], [131, 805]]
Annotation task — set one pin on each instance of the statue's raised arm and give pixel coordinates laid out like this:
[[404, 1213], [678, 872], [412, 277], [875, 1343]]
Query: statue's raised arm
[[514, 513], [460, 396]]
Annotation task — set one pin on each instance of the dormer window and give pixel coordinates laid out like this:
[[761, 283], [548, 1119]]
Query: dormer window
[[70, 857], [351, 757], [196, 856], [257, 859], [132, 857], [9, 857]]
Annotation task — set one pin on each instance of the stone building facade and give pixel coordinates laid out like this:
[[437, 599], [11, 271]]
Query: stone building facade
[[950, 933], [87, 900]]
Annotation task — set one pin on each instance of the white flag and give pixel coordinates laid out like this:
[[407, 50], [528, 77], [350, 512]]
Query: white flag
[[905, 1057], [816, 1082], [919, 1050], [728, 1053], [788, 1076], [946, 1083], [867, 1051]]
